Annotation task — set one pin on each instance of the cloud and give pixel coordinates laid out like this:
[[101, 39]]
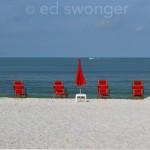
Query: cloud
[[109, 23], [102, 24], [140, 28]]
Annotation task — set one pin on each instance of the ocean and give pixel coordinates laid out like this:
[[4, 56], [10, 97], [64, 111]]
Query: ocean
[[38, 75]]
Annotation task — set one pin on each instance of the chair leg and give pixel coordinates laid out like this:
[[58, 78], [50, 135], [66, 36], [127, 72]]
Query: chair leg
[[98, 96]]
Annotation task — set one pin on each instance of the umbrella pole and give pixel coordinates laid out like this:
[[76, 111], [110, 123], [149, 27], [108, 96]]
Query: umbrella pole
[[80, 92]]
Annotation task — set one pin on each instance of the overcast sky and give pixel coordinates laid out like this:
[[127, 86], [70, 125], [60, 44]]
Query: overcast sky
[[51, 28]]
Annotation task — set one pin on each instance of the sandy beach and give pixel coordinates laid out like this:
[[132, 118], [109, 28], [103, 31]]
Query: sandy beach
[[100, 124]]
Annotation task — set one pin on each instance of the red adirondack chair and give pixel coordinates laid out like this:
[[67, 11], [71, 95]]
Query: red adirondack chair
[[19, 90], [103, 90], [59, 89], [137, 90]]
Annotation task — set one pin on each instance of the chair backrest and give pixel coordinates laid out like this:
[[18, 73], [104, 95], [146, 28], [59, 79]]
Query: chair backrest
[[137, 85], [57, 83], [103, 92], [59, 87], [102, 82], [19, 88], [18, 85], [19, 82], [102, 87], [19, 91]]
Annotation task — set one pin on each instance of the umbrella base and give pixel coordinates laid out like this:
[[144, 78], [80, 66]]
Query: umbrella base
[[79, 96]]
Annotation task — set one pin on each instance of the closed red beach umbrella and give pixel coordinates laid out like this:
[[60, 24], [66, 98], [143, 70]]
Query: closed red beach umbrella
[[80, 80]]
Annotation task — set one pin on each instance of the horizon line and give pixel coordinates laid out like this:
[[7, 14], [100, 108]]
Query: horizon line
[[73, 57]]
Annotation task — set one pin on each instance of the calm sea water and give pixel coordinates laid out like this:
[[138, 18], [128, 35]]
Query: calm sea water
[[38, 74]]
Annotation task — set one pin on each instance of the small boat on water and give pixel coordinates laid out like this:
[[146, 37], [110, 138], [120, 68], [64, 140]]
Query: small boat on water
[[91, 58]]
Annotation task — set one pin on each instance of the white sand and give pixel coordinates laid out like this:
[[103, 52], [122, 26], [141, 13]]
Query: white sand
[[99, 124]]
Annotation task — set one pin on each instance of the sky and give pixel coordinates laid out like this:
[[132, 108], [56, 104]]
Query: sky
[[74, 28]]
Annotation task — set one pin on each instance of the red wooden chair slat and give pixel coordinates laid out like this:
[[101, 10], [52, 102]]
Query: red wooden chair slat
[[103, 90], [59, 89], [19, 89], [137, 89]]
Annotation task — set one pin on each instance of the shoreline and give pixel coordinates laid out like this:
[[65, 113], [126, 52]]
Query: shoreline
[[73, 99]]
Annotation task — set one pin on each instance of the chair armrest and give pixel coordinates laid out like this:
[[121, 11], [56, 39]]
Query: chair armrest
[[65, 91]]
